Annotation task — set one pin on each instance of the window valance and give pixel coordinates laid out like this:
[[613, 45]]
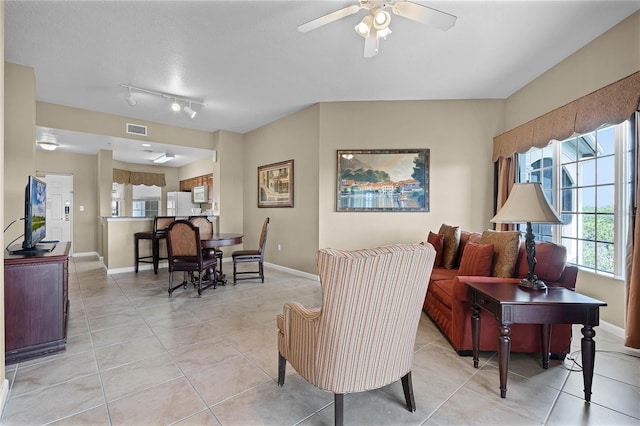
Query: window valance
[[139, 178], [121, 176], [611, 104], [149, 179]]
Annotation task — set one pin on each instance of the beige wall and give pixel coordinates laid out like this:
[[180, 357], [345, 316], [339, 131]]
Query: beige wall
[[81, 120], [228, 178], [460, 162], [4, 387], [458, 135], [83, 169], [19, 147], [295, 229], [612, 56]]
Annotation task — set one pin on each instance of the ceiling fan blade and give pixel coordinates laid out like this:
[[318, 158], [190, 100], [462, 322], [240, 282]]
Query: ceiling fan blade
[[424, 15], [371, 45], [327, 19]]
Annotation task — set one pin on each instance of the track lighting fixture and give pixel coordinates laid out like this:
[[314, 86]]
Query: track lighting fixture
[[190, 112], [176, 100], [130, 99]]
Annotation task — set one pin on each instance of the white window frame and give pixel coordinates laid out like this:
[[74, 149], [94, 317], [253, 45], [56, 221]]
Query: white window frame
[[622, 195]]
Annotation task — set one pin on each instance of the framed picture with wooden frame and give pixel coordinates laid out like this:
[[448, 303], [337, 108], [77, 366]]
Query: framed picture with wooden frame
[[384, 180], [275, 184]]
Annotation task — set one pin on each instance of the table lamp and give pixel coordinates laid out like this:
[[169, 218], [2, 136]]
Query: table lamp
[[527, 203]]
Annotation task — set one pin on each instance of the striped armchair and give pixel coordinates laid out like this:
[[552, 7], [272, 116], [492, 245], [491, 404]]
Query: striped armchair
[[363, 336]]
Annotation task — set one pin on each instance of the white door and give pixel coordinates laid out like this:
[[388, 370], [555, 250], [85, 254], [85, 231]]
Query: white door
[[59, 207]]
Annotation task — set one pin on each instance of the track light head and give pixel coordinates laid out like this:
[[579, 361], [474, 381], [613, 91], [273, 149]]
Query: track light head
[[177, 101], [190, 112], [130, 99]]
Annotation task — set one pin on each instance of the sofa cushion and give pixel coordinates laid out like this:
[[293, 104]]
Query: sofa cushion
[[441, 273], [466, 237], [551, 260], [451, 242], [505, 251], [437, 241], [441, 291], [477, 260]]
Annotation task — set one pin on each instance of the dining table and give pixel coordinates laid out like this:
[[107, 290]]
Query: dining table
[[211, 242]]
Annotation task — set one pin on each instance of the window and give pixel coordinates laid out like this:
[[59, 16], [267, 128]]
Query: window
[[588, 179], [135, 200], [146, 200]]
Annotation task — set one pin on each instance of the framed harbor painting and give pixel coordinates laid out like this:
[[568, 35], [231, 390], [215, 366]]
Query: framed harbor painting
[[275, 184], [388, 180]]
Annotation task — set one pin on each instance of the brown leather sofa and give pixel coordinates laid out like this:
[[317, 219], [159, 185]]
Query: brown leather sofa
[[447, 302]]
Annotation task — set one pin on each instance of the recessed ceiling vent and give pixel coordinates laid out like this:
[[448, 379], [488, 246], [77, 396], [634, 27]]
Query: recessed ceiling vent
[[136, 129]]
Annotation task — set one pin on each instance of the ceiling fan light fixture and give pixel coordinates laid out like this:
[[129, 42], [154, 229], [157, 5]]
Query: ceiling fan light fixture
[[383, 33], [381, 19], [364, 27]]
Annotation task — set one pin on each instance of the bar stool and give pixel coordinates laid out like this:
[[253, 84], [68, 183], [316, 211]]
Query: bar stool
[[160, 224]]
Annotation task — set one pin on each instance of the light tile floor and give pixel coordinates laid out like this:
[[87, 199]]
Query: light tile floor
[[136, 357]]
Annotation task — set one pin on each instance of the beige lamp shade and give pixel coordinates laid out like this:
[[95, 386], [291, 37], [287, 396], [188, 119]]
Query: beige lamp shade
[[526, 203]]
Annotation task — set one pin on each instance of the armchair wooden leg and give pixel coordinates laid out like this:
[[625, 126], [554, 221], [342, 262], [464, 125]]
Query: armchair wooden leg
[[407, 387], [339, 409], [282, 366]]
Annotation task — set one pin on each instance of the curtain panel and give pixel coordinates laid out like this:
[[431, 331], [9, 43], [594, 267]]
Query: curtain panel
[[611, 104], [632, 325]]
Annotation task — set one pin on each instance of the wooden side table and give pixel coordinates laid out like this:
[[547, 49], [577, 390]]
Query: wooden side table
[[511, 304]]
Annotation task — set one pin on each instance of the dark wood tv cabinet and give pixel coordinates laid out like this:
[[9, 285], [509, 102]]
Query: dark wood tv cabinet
[[36, 303]]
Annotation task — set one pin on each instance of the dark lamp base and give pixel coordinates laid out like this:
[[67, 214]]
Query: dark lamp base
[[536, 284]]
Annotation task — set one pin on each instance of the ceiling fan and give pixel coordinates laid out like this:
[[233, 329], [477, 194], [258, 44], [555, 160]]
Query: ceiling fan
[[375, 25]]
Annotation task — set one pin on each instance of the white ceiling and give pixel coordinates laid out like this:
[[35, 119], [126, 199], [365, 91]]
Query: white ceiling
[[251, 66]]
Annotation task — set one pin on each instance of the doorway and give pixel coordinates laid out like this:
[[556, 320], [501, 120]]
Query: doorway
[[59, 206]]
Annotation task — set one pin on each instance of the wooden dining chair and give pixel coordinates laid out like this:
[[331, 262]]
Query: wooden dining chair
[[206, 228], [245, 256], [185, 254]]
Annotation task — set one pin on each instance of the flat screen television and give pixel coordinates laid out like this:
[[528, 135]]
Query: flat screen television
[[35, 219], [35, 213]]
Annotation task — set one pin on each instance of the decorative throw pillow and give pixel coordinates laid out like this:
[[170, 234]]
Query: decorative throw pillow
[[451, 242], [476, 260], [505, 251], [437, 241], [551, 260]]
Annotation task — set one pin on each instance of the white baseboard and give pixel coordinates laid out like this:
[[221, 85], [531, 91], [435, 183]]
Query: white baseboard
[[613, 329], [86, 254], [4, 394], [294, 271]]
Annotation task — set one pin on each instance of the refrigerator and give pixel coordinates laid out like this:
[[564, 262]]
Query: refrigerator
[[179, 204]]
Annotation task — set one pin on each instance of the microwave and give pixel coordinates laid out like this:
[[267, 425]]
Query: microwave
[[199, 194]]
